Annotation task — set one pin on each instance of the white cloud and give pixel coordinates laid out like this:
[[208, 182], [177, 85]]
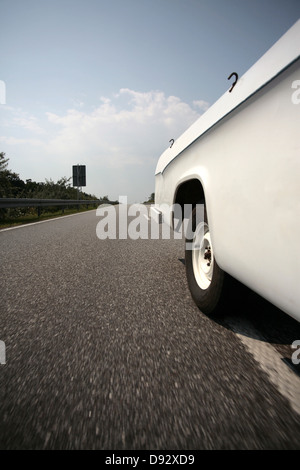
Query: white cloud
[[120, 135], [201, 104], [19, 141], [120, 140], [30, 123], [20, 120]]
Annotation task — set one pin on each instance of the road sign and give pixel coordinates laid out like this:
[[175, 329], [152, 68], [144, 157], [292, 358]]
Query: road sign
[[79, 175]]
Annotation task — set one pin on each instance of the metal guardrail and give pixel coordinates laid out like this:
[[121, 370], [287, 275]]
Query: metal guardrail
[[7, 203], [10, 203]]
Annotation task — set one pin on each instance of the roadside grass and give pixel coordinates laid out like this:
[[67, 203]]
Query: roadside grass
[[8, 222]]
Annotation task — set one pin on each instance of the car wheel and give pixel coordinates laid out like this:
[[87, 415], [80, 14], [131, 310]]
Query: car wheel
[[205, 278]]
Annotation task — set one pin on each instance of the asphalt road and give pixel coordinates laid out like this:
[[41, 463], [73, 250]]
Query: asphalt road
[[105, 349]]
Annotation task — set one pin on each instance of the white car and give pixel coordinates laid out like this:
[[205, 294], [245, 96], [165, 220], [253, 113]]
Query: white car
[[241, 161]]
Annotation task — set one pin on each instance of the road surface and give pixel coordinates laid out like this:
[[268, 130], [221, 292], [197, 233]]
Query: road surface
[[105, 349]]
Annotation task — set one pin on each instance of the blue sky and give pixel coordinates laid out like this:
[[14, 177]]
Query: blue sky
[[107, 83]]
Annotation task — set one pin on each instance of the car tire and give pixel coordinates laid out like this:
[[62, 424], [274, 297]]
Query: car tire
[[205, 278]]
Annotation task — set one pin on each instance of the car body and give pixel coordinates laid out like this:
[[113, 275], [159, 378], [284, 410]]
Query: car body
[[242, 158]]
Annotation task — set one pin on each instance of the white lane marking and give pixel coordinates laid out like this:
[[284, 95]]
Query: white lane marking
[[285, 380], [43, 221]]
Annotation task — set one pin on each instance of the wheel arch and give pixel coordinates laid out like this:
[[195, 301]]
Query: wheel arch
[[189, 191]]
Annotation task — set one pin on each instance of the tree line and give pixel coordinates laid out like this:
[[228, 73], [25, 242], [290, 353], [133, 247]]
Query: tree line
[[12, 186]]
